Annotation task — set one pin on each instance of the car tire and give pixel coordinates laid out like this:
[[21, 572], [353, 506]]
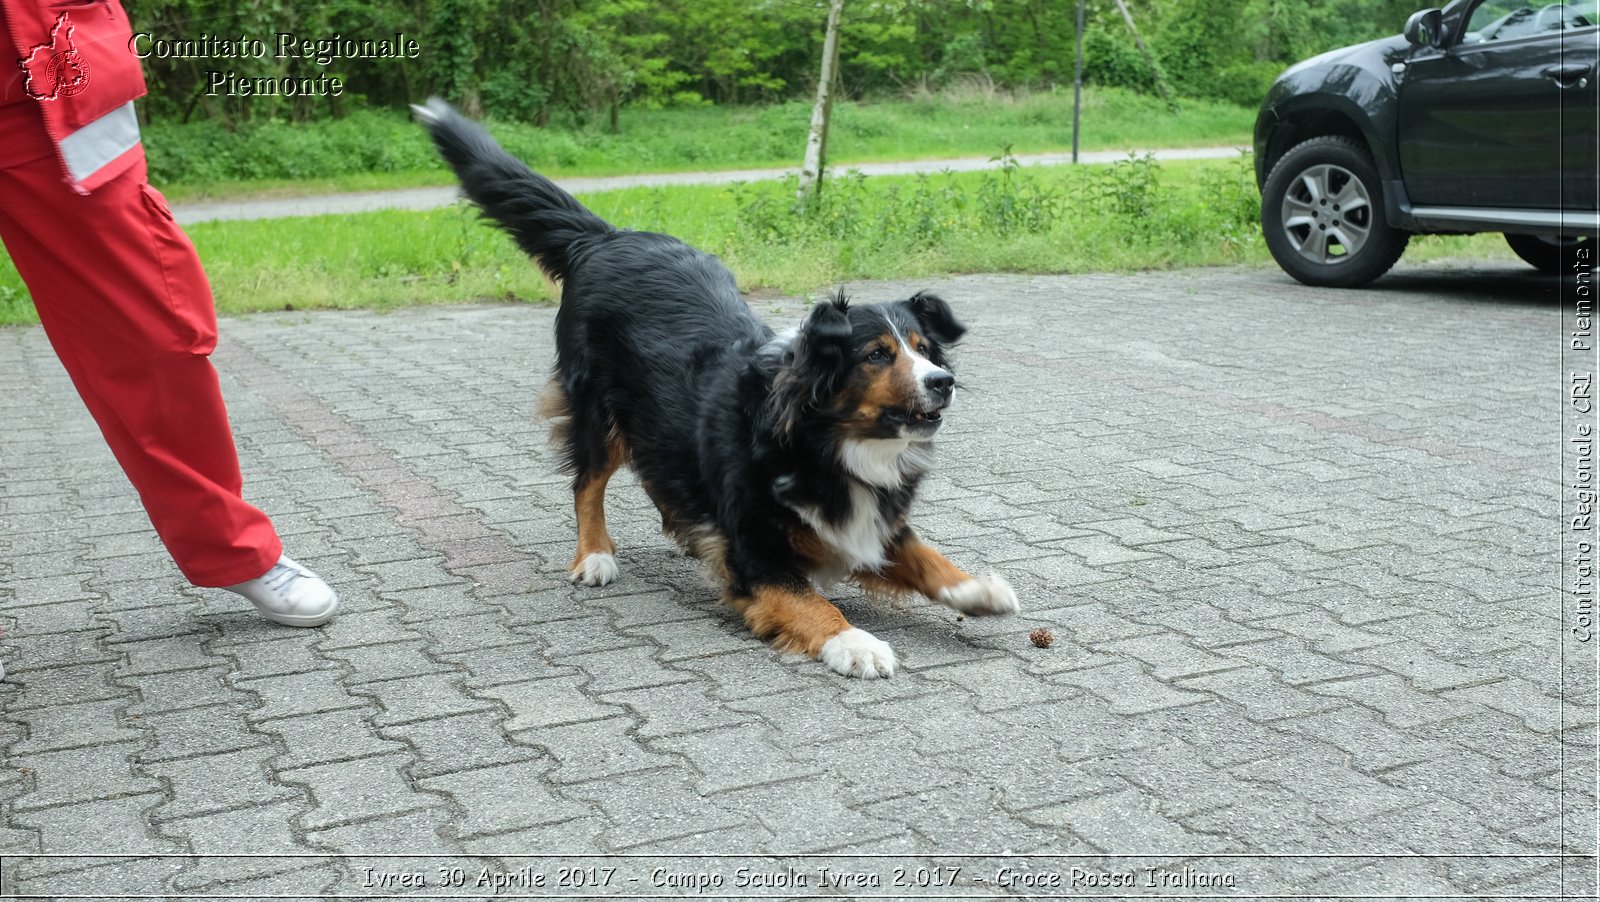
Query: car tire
[[1322, 215], [1550, 254]]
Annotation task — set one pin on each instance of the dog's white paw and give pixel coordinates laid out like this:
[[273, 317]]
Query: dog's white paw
[[596, 569], [858, 653], [989, 595]]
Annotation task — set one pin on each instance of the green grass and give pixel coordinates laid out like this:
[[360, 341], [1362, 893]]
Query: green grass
[[377, 150], [1134, 215]]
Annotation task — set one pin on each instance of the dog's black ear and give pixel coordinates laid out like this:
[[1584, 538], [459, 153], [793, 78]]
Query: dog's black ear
[[815, 367], [935, 318]]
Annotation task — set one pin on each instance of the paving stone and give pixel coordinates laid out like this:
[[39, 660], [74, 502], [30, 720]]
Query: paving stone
[[1400, 705], [350, 791], [285, 879], [469, 632], [166, 654], [1325, 633], [595, 749], [675, 709], [82, 775], [363, 628], [305, 737], [1432, 826], [446, 745], [807, 816], [1519, 752], [577, 836], [1523, 701], [1126, 821], [505, 664], [1294, 662], [504, 797], [422, 697], [1177, 775], [1262, 695], [43, 652], [220, 838], [93, 828], [1128, 689], [111, 880], [294, 654], [638, 607], [196, 731], [71, 726], [632, 667], [929, 723], [736, 757], [292, 695], [1476, 782], [176, 615], [204, 784], [421, 833], [548, 702], [387, 661], [1169, 657], [64, 686], [1373, 744], [962, 816], [180, 690], [1340, 794]]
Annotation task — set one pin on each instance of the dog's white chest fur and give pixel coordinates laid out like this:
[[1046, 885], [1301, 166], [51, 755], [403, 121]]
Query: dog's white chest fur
[[856, 543]]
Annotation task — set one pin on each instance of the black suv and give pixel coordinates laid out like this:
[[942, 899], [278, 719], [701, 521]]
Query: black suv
[[1482, 117]]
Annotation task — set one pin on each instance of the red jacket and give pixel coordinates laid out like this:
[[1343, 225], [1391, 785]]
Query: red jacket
[[78, 65]]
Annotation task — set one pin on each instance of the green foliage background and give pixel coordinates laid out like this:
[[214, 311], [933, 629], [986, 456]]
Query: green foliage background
[[580, 61]]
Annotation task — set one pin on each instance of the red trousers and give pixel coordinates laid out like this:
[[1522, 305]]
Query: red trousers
[[126, 305]]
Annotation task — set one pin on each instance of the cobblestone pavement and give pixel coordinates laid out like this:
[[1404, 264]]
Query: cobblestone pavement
[[1298, 549]]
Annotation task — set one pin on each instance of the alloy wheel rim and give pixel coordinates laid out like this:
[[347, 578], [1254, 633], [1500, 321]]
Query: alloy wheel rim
[[1327, 214]]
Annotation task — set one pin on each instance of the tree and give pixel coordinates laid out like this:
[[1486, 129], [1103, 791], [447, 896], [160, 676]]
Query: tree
[[817, 139]]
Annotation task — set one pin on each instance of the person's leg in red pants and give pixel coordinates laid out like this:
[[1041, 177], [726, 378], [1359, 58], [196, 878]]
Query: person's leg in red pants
[[127, 307]]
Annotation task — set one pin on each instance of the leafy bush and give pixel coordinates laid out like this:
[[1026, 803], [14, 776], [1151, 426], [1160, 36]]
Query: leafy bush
[[1126, 202]]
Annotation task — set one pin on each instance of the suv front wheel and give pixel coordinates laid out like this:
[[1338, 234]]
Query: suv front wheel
[[1322, 215]]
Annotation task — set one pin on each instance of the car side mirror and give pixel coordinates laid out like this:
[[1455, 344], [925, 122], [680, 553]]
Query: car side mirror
[[1425, 27]]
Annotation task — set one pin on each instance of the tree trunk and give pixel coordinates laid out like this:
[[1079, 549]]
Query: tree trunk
[[817, 139], [1161, 81]]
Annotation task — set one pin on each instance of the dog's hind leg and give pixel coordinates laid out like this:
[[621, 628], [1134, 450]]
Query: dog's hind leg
[[595, 564], [801, 620]]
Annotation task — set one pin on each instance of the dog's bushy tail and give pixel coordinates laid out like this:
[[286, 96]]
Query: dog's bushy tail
[[543, 218]]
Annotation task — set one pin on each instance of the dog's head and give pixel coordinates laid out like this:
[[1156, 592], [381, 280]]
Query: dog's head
[[868, 373]]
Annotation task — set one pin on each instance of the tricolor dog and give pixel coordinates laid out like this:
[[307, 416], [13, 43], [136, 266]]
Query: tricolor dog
[[784, 462]]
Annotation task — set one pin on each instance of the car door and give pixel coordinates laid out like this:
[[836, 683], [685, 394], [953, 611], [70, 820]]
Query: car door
[[1505, 114]]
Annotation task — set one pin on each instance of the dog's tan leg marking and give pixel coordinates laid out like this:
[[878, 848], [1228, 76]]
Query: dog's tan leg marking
[[801, 620], [595, 564], [914, 566]]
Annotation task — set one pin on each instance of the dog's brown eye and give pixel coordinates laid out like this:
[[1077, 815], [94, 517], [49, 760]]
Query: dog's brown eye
[[878, 355]]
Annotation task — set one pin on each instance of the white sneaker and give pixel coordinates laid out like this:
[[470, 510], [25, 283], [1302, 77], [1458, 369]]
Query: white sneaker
[[291, 595]]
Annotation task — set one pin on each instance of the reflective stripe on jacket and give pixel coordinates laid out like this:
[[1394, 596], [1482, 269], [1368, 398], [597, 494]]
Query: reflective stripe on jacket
[[77, 63]]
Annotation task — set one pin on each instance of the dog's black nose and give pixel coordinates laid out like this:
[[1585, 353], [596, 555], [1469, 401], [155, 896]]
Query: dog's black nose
[[940, 383]]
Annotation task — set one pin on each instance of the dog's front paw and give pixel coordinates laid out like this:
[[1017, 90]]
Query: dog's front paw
[[979, 597], [858, 653], [596, 569]]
